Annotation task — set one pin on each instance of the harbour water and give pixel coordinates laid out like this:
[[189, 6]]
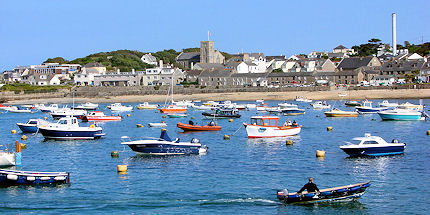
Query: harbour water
[[236, 176]]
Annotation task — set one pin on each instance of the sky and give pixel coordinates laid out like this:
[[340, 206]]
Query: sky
[[32, 31]]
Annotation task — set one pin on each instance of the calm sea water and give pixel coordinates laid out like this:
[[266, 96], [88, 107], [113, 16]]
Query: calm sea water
[[236, 176]]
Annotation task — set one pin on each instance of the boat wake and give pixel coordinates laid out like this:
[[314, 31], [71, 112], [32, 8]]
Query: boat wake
[[251, 201]]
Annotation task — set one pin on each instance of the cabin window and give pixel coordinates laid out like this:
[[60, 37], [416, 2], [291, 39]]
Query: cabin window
[[32, 122], [64, 122], [370, 142]]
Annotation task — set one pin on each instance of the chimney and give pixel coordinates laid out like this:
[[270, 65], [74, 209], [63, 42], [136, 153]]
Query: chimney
[[393, 16], [192, 66], [160, 64], [118, 71], [133, 71]]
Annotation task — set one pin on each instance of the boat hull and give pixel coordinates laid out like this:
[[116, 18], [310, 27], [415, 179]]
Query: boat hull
[[25, 128], [327, 114], [165, 149], [374, 151], [7, 159], [255, 131], [387, 116], [293, 112], [219, 116], [70, 134], [172, 110], [14, 178], [369, 110], [101, 118], [188, 127]]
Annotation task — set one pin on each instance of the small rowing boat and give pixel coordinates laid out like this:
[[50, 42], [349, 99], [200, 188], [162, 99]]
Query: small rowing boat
[[188, 127], [348, 192], [340, 113]]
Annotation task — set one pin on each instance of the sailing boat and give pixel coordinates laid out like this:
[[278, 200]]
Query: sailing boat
[[171, 107]]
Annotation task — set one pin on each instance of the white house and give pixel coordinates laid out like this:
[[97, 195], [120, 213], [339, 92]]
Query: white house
[[382, 80], [149, 59]]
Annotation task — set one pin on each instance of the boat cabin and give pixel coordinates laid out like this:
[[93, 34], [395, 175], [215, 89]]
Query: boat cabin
[[68, 121], [96, 113], [368, 140], [226, 111], [367, 104], [265, 120]]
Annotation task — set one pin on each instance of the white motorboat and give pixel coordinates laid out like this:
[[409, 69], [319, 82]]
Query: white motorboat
[[146, 106], [203, 107], [10, 158], [15, 109], [373, 146], [267, 126], [63, 112], [321, 105], [410, 106], [68, 128], [87, 106], [287, 105], [251, 106], [385, 103], [119, 107], [183, 103], [157, 124], [401, 114], [49, 108]]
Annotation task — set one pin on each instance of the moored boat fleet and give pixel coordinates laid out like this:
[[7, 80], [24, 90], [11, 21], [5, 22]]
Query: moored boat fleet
[[266, 123]]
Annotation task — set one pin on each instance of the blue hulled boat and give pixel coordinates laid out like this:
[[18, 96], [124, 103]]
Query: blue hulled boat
[[165, 146], [367, 108], [373, 146], [15, 177], [293, 111], [68, 128], [31, 126], [348, 192]]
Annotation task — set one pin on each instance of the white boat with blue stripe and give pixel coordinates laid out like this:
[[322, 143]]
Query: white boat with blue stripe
[[68, 128], [372, 146], [165, 146]]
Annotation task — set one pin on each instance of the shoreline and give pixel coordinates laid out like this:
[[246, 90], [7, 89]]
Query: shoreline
[[245, 96]]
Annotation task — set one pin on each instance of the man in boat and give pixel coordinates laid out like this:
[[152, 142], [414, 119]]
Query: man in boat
[[310, 187], [294, 123], [191, 122], [211, 123]]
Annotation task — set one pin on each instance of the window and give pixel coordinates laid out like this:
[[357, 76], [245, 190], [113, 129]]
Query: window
[[370, 142]]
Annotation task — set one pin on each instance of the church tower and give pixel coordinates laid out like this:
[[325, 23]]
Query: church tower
[[207, 52]]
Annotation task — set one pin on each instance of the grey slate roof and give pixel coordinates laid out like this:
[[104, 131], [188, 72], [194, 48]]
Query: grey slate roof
[[215, 73], [354, 62], [249, 75], [189, 56]]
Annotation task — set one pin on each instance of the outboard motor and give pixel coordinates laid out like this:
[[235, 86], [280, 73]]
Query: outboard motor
[[395, 141], [195, 140], [282, 194]]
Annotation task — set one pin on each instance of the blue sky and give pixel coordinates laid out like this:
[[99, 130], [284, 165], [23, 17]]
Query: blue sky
[[32, 31]]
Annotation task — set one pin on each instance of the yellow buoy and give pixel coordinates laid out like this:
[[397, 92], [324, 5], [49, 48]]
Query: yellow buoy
[[230, 120], [45, 118], [428, 132], [92, 126], [31, 112], [23, 137], [226, 137], [164, 116], [122, 168], [128, 115], [289, 142], [23, 146], [192, 117], [320, 153], [329, 128], [114, 154], [139, 125], [13, 131]]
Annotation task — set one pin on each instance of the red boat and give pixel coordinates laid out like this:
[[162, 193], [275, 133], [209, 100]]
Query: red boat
[[188, 127], [99, 116]]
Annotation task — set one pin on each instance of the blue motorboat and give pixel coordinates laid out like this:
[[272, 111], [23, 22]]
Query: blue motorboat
[[353, 191], [292, 111], [402, 114], [68, 128], [367, 108], [31, 126], [15, 177], [373, 146], [165, 146]]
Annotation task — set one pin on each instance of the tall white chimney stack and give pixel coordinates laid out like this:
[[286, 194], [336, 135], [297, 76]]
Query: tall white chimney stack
[[394, 34]]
